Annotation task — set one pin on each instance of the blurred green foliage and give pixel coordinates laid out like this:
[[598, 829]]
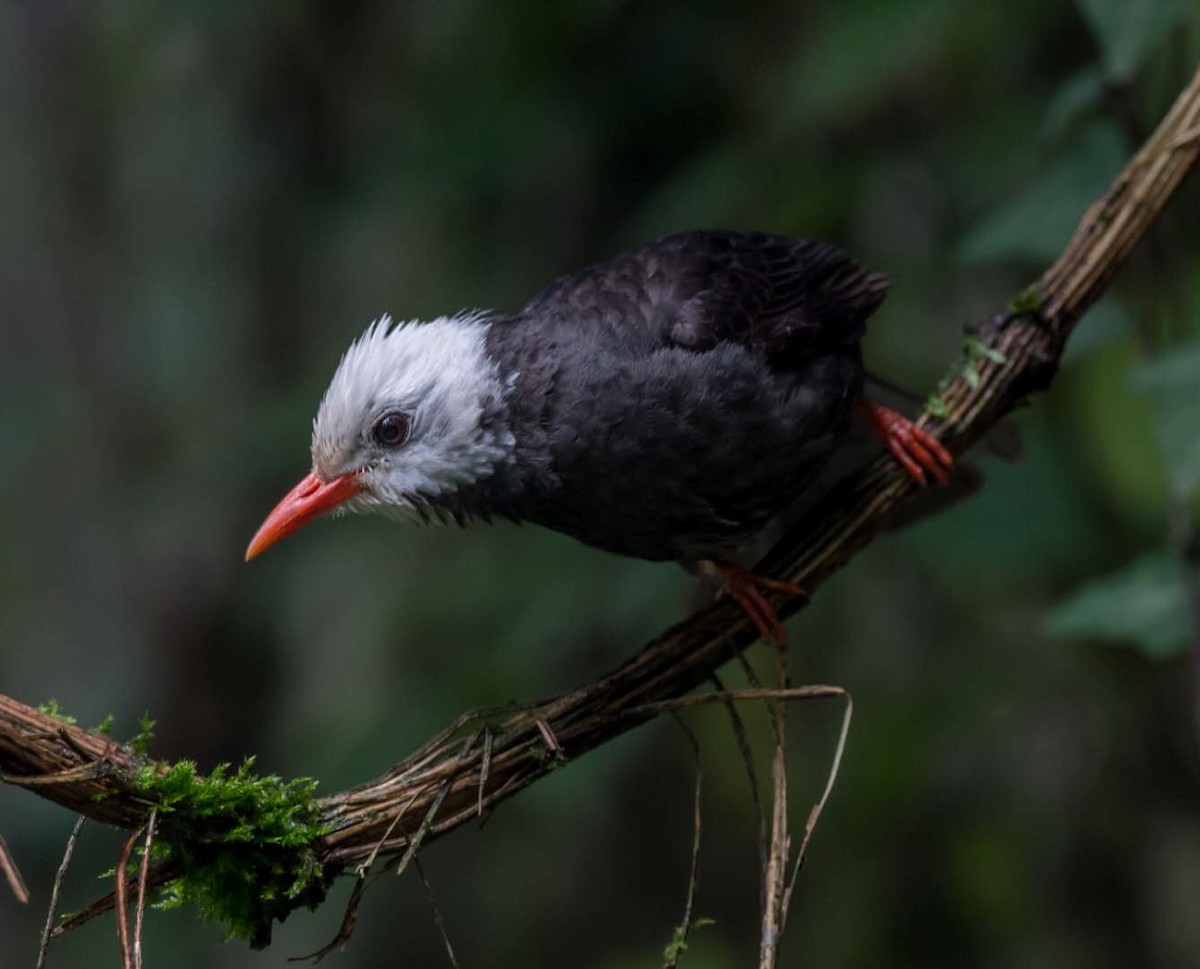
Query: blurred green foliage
[[1171, 387], [204, 202], [1142, 603]]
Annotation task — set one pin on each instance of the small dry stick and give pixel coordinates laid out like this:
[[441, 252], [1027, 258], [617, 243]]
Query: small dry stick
[[345, 930], [365, 867], [484, 767], [780, 846], [350, 919], [12, 873], [143, 876], [739, 734], [437, 912], [815, 814], [755, 682], [550, 740], [127, 961], [815, 691], [159, 875], [58, 882], [679, 943], [363, 874], [414, 843], [427, 822]]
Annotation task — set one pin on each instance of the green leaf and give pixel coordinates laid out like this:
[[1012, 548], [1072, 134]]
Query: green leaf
[[1079, 95], [1171, 388], [1143, 604], [1129, 30], [1037, 223]]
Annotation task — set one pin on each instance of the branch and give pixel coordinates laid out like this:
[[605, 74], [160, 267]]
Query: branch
[[1024, 344], [450, 780]]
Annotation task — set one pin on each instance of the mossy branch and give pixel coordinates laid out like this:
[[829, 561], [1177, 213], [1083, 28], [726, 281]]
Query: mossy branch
[[485, 757]]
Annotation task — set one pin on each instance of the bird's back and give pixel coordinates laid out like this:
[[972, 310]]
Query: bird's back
[[787, 297], [670, 402]]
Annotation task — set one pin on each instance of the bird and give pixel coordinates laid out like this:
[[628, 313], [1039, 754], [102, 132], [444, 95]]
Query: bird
[[667, 405]]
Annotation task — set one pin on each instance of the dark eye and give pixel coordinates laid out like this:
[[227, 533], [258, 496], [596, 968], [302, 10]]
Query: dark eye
[[391, 430]]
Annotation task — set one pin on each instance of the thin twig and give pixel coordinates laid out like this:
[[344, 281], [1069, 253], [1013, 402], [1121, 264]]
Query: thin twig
[[756, 683], [1187, 138], [739, 734], [160, 874], [345, 930], [550, 740], [57, 887], [12, 873], [414, 842], [815, 814], [816, 691], [127, 960], [383, 838], [484, 766], [437, 912], [73, 775], [143, 877], [678, 944], [775, 873], [350, 918]]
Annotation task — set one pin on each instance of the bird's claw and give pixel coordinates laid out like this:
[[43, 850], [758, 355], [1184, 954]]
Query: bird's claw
[[750, 591], [912, 446]]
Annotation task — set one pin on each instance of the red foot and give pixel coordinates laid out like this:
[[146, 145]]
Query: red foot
[[750, 591], [917, 450]]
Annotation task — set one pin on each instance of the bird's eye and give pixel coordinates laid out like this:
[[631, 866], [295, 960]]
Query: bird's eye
[[391, 430]]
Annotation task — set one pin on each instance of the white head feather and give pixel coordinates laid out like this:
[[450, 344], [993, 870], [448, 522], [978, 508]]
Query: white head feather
[[439, 375]]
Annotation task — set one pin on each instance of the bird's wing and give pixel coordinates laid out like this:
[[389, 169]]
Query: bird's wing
[[789, 296]]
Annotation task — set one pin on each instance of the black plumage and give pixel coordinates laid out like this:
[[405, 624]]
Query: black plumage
[[671, 402], [668, 405]]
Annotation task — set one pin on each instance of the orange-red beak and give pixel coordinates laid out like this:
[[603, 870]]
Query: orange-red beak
[[310, 498]]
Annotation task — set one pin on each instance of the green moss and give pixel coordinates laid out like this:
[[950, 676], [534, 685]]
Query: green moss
[[1026, 303], [936, 407], [140, 742], [242, 847], [674, 950], [243, 844], [976, 350], [50, 708]]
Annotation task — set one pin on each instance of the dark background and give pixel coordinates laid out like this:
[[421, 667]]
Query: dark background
[[202, 203]]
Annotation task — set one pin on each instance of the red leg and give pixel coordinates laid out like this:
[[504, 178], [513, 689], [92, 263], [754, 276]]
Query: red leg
[[916, 449], [749, 590]]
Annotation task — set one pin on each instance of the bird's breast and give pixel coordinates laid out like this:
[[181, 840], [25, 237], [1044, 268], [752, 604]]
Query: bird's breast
[[671, 453]]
